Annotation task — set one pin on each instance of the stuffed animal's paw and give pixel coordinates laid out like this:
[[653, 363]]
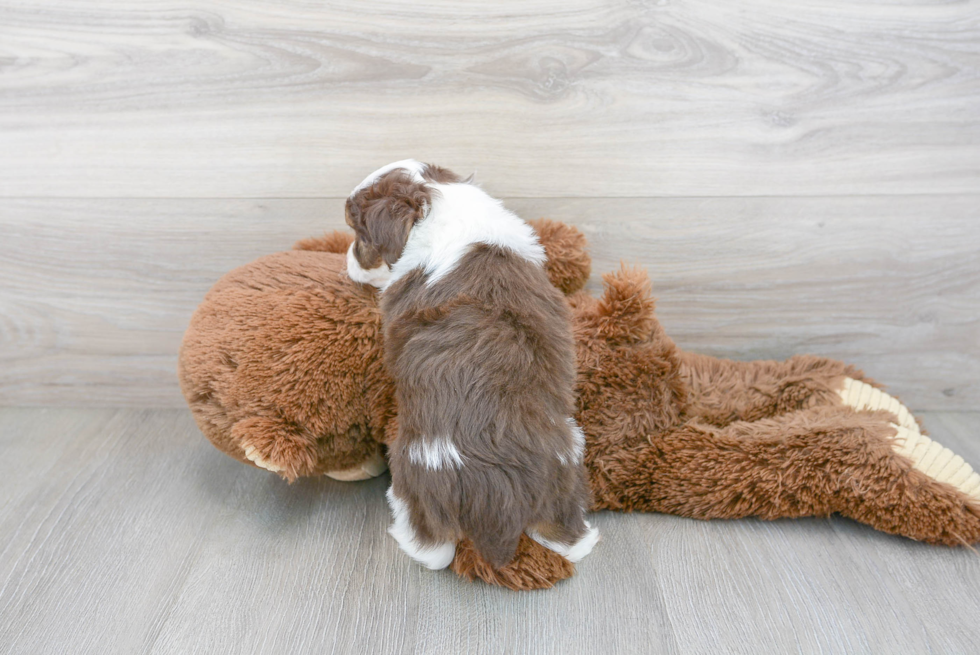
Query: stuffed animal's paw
[[256, 457], [272, 445], [926, 455], [369, 468]]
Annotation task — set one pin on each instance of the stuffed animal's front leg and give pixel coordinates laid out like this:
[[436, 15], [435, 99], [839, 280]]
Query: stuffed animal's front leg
[[275, 446], [806, 463]]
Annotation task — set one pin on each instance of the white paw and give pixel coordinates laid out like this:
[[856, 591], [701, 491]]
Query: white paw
[[252, 454], [434, 557], [574, 552], [370, 468], [930, 457]]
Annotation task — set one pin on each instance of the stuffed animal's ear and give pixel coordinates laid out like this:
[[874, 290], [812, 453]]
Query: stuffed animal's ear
[[624, 313], [336, 242], [569, 264]]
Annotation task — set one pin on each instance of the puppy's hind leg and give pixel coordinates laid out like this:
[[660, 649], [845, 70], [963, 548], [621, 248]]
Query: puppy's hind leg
[[573, 551], [567, 532], [435, 556]]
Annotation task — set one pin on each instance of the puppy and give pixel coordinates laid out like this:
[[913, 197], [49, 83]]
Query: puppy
[[480, 347]]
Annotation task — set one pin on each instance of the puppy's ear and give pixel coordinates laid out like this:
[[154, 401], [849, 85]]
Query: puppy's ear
[[441, 175], [390, 219]]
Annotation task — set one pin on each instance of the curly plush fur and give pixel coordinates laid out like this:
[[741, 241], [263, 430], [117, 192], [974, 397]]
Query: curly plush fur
[[282, 367]]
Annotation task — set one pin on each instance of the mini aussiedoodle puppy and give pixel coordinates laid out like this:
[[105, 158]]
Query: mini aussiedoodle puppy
[[479, 344]]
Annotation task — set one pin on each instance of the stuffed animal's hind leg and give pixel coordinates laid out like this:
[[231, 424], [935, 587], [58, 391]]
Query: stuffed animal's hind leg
[[926, 456], [807, 463], [276, 446]]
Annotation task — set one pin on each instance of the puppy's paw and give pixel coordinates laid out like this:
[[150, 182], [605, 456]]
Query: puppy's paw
[[572, 552], [434, 556]]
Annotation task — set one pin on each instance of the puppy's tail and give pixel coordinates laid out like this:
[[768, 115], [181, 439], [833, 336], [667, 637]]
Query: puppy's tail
[[494, 519], [496, 549]]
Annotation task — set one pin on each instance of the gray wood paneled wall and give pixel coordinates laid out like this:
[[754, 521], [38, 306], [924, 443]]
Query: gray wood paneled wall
[[795, 177]]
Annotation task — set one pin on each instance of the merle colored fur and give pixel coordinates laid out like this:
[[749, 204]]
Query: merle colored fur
[[484, 359]]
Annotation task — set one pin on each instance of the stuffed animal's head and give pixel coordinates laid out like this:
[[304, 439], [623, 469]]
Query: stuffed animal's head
[[282, 364]]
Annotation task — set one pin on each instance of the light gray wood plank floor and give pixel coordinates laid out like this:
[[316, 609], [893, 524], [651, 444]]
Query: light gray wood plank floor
[[123, 531]]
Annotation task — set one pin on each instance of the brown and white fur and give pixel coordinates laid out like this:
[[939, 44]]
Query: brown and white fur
[[479, 344]]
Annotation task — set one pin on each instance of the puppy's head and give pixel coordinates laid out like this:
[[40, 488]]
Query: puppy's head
[[382, 211]]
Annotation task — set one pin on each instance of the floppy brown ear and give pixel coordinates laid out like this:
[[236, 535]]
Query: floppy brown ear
[[390, 219]]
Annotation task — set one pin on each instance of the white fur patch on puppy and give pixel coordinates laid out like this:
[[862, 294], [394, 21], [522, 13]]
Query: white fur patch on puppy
[[461, 216], [432, 557], [434, 454], [412, 166], [573, 552], [376, 277], [574, 456]]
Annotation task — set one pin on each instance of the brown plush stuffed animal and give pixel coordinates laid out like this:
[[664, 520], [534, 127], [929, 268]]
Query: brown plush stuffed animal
[[282, 368]]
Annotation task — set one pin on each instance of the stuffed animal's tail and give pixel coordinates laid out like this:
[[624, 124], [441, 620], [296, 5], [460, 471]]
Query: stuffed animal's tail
[[336, 242]]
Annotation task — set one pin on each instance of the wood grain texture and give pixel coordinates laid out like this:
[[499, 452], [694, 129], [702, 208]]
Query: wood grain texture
[[123, 531], [891, 285], [797, 177], [818, 585], [95, 294], [545, 98]]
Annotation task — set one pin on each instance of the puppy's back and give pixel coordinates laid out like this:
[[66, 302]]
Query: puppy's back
[[485, 368]]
